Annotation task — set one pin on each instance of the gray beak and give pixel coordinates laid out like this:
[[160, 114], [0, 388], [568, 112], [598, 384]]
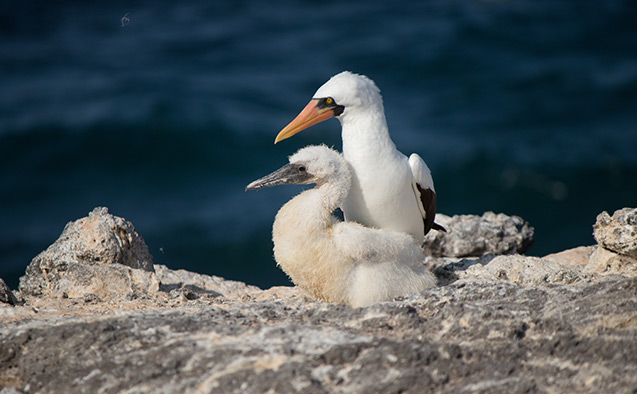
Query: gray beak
[[289, 174]]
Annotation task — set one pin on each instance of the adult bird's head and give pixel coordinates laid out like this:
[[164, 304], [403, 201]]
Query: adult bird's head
[[344, 95]]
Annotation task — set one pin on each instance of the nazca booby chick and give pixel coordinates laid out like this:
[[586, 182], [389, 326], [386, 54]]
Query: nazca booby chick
[[333, 260], [389, 190]]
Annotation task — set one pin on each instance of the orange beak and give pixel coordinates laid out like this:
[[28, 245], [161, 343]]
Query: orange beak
[[310, 116]]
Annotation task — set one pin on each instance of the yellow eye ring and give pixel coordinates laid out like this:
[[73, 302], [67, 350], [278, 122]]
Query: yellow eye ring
[[329, 100]]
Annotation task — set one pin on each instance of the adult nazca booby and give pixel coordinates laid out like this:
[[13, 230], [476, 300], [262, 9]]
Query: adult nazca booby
[[333, 260], [389, 190]]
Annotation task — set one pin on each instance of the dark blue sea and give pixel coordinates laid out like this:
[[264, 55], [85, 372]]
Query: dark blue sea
[[163, 111]]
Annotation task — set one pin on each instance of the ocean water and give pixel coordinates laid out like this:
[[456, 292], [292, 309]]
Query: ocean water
[[163, 111]]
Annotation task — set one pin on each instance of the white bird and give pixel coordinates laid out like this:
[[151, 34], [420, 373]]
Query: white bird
[[388, 190], [333, 260]]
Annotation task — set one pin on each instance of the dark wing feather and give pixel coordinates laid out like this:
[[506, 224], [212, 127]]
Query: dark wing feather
[[428, 199]]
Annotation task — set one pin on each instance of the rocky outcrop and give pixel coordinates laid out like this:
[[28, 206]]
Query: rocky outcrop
[[521, 270], [6, 295], [495, 324], [618, 233], [101, 254], [472, 235], [615, 253], [100, 260], [466, 337]]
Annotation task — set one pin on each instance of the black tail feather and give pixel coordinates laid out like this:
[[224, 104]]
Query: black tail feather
[[438, 227]]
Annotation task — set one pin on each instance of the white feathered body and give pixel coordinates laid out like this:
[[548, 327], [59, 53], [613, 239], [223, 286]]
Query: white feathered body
[[383, 193], [343, 261]]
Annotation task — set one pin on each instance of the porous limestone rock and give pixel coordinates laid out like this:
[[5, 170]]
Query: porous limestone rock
[[603, 262], [521, 270], [101, 259], [616, 252], [594, 261], [192, 284], [618, 233], [576, 257], [472, 235], [100, 254], [6, 295], [511, 323], [470, 336]]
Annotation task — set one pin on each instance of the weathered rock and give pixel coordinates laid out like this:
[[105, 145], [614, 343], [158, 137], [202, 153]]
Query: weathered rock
[[576, 257], [62, 279], [100, 254], [472, 235], [619, 232], [604, 262], [617, 249], [466, 337], [6, 295], [186, 281], [564, 323], [521, 270], [102, 258], [594, 261]]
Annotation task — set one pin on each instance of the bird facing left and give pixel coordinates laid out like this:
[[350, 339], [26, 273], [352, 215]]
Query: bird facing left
[[338, 261]]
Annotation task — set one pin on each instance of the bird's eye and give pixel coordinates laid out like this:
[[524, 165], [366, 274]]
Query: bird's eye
[[327, 103], [302, 168]]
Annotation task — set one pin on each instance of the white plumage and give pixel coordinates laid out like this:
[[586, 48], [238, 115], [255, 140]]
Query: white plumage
[[333, 260], [388, 191]]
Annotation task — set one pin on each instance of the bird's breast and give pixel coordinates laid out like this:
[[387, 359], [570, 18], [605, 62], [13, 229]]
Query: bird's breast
[[304, 249], [382, 196]]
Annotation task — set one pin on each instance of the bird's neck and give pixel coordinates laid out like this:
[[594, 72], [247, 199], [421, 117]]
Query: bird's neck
[[333, 195], [303, 243], [366, 136], [317, 204], [309, 213]]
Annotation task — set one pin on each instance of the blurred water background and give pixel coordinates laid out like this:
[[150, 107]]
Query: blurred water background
[[163, 111]]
